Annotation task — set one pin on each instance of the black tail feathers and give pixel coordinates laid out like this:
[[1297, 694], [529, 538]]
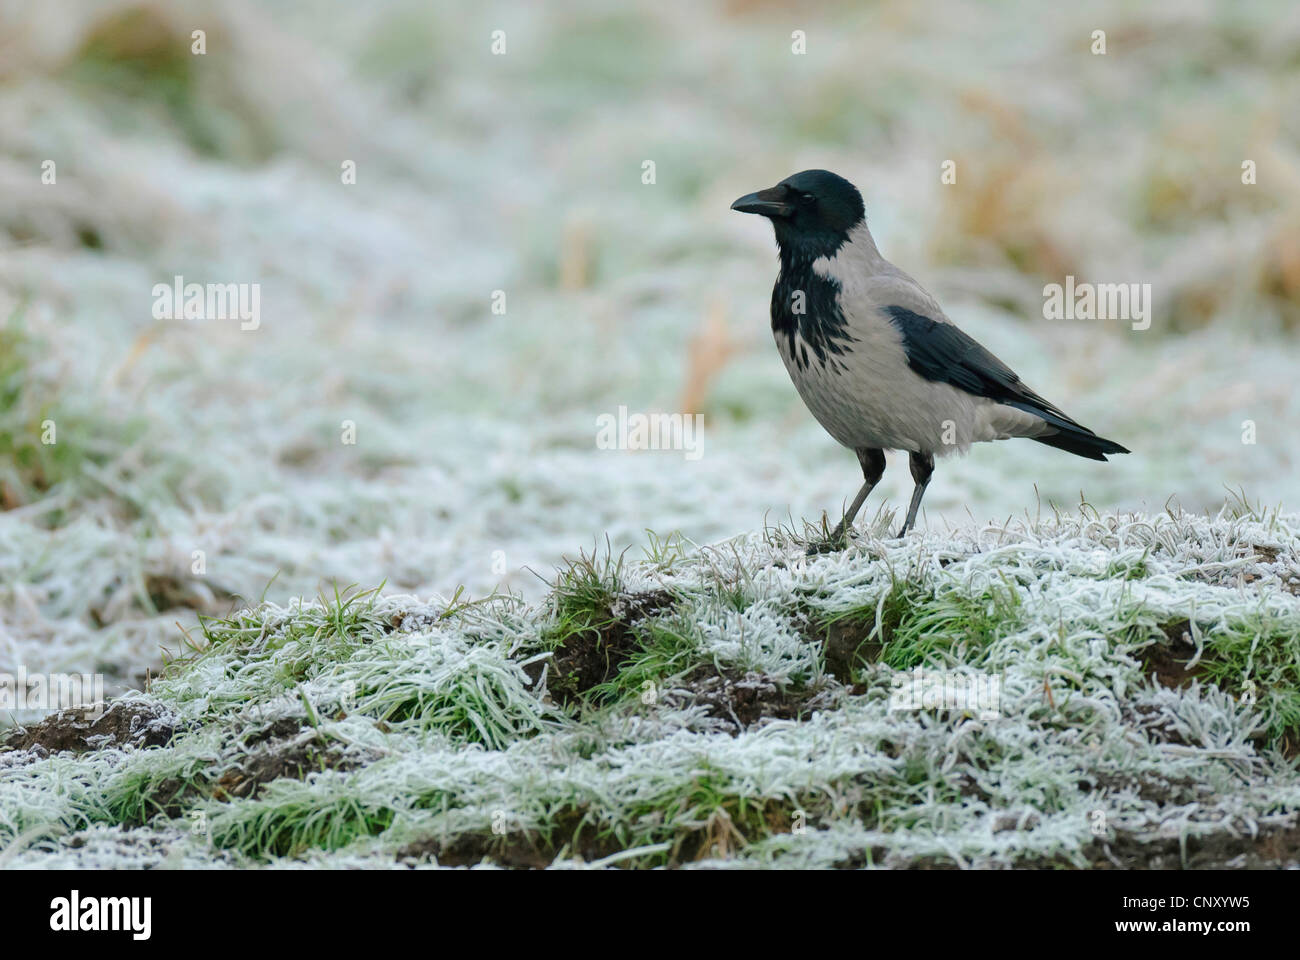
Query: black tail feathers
[[1082, 442]]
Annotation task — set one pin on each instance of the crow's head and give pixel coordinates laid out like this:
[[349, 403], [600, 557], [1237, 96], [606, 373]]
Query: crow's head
[[815, 208]]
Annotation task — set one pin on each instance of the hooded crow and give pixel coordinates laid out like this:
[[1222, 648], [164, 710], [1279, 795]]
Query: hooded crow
[[874, 357]]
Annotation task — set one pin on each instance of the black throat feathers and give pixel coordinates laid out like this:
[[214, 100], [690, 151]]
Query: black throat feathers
[[807, 303]]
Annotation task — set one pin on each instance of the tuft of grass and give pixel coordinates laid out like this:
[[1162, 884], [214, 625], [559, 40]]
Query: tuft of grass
[[596, 629], [1127, 568], [144, 791], [953, 624], [664, 553], [911, 624], [1238, 506], [1257, 660], [293, 816], [293, 641], [667, 648], [1253, 656], [582, 597], [471, 694]]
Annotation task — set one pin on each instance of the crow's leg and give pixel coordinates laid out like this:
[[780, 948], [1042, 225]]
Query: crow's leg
[[922, 467], [873, 468]]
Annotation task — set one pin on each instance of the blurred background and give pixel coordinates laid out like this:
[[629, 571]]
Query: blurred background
[[521, 171]]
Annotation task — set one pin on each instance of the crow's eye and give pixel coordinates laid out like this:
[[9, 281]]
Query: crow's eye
[[807, 199]]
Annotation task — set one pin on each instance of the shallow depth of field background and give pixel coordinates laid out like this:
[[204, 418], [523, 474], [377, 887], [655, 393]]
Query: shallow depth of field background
[[475, 447]]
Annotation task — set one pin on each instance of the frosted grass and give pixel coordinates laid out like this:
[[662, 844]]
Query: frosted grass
[[1081, 732]]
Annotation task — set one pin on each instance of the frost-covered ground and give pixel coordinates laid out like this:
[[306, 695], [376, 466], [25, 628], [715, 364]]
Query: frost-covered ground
[[475, 459], [735, 705]]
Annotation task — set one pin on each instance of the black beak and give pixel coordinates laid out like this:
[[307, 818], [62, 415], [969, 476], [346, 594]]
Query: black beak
[[767, 203]]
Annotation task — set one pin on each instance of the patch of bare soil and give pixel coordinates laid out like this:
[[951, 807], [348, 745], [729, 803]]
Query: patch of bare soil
[[716, 837], [126, 723], [1164, 791], [739, 699], [294, 757], [846, 646], [1167, 661], [587, 658], [287, 749], [1272, 849], [281, 729]]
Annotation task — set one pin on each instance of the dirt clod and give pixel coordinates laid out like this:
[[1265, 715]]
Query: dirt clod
[[846, 646], [1273, 848], [592, 656], [126, 723], [1167, 661], [739, 699], [280, 729], [295, 757]]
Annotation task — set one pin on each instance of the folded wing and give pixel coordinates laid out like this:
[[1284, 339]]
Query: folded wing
[[940, 352]]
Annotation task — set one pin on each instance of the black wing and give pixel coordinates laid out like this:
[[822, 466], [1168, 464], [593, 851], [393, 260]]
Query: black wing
[[942, 353]]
